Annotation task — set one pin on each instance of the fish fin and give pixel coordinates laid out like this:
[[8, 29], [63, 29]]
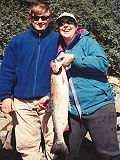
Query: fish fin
[[67, 127]]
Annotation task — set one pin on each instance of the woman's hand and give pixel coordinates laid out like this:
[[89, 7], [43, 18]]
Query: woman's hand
[[66, 59]]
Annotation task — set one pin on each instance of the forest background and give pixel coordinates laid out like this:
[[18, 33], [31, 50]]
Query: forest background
[[100, 17]]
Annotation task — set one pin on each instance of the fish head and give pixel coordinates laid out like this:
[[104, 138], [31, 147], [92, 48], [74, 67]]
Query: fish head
[[55, 66]]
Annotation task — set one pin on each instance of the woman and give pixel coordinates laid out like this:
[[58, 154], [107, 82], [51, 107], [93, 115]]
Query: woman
[[91, 97]]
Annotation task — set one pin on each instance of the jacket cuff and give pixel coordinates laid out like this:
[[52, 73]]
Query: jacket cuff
[[4, 97]]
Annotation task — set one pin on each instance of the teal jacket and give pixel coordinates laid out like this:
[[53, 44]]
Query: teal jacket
[[88, 72]]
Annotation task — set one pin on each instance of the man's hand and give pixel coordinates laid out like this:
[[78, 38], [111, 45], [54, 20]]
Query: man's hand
[[43, 102], [8, 105], [66, 59]]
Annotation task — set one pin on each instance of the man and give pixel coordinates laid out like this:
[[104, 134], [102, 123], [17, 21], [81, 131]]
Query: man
[[25, 83]]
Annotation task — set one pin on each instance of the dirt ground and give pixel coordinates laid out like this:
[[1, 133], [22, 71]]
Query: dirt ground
[[87, 153]]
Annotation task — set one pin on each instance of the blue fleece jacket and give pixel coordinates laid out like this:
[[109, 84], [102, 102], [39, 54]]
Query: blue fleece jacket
[[25, 69], [88, 72]]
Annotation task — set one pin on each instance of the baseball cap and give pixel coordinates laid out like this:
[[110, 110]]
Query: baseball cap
[[66, 14]]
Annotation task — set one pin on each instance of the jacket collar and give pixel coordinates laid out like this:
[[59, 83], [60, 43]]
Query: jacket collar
[[38, 34], [74, 42], [80, 33]]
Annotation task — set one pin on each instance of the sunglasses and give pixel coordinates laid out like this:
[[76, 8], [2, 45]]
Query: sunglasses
[[62, 23], [43, 18]]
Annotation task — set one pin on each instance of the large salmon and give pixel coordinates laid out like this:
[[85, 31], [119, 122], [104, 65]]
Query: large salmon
[[59, 105]]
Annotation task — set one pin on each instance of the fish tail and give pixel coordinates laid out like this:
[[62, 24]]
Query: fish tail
[[59, 147]]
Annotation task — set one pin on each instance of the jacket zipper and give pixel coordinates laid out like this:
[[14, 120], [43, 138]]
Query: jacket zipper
[[36, 69]]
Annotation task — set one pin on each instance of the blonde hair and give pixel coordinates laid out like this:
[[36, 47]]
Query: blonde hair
[[38, 8]]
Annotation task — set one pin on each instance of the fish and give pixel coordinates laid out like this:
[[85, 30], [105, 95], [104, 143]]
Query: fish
[[59, 106]]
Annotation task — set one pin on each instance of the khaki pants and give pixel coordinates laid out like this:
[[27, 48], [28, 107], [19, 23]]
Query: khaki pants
[[28, 125]]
